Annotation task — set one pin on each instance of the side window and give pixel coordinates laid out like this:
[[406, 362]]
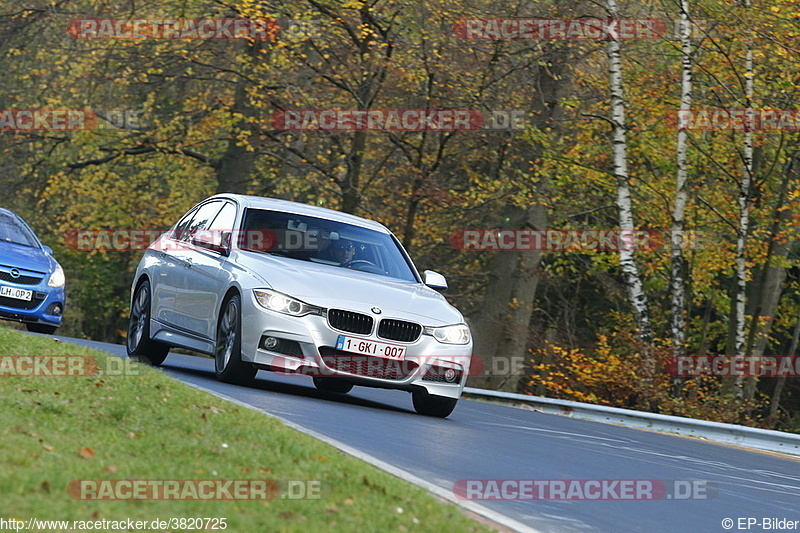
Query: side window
[[201, 219], [225, 219], [210, 235], [182, 225]]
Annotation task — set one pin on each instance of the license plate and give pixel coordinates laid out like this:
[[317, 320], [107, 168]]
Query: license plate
[[375, 349], [15, 293]]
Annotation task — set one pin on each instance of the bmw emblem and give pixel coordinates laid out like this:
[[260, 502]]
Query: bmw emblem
[[376, 310], [15, 275]]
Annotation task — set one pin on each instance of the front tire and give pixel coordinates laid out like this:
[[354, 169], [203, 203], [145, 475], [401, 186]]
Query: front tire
[[139, 345], [228, 364], [431, 405]]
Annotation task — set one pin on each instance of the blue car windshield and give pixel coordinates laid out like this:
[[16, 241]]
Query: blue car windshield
[[14, 231], [323, 241]]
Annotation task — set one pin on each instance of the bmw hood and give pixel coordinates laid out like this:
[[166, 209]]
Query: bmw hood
[[332, 286]]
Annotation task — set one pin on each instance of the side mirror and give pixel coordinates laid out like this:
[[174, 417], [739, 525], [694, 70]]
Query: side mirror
[[434, 280], [212, 240], [47, 250], [225, 241]]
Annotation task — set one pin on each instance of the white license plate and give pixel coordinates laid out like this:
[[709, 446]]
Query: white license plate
[[17, 294], [375, 349]]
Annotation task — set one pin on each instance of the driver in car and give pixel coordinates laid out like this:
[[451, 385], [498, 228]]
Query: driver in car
[[343, 251]]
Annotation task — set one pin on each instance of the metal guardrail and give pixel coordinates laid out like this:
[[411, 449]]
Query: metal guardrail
[[761, 439]]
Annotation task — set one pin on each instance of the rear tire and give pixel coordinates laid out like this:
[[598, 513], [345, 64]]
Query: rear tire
[[430, 405], [333, 385], [139, 345], [228, 364], [41, 328]]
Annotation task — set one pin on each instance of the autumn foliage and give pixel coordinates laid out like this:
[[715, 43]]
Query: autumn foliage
[[176, 120], [613, 373]]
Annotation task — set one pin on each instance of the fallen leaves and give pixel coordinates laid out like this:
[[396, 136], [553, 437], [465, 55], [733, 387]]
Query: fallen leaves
[[86, 453]]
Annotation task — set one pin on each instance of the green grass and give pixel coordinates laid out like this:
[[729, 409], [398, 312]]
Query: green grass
[[144, 425]]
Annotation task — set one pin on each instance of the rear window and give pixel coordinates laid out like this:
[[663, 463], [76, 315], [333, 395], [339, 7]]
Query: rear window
[[14, 231]]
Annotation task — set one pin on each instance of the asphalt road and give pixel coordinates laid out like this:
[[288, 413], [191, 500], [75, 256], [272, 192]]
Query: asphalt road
[[482, 441]]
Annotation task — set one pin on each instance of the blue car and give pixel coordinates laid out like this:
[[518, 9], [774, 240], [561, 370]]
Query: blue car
[[31, 281]]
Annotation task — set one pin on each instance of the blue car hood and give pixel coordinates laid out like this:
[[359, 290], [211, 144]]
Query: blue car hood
[[25, 258]]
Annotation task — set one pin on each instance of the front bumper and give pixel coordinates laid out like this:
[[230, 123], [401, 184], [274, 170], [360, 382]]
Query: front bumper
[[307, 346], [40, 310]]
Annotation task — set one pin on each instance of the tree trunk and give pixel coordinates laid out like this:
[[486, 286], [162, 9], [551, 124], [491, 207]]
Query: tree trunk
[[740, 288], [236, 168], [678, 273], [351, 194], [775, 402], [773, 272], [501, 329], [630, 270], [502, 322]]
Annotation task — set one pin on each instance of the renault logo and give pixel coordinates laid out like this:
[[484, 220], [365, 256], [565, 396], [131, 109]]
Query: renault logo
[[376, 310], [15, 275]]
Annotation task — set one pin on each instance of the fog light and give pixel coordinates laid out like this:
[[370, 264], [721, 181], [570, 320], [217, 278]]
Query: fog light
[[450, 375], [56, 309], [270, 342]]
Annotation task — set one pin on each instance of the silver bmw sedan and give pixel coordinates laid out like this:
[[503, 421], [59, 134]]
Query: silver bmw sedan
[[260, 283]]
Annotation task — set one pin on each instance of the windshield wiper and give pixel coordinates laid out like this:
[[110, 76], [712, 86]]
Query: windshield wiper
[[9, 241]]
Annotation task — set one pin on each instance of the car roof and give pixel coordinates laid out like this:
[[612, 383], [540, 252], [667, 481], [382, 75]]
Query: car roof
[[286, 206]]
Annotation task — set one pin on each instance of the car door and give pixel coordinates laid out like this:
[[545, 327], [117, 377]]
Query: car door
[[167, 271], [205, 275], [181, 255]]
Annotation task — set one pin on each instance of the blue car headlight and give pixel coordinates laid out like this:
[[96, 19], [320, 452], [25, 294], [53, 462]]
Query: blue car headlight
[[57, 277]]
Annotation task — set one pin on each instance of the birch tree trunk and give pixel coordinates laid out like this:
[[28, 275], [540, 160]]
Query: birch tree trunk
[[739, 298], [678, 273], [627, 260]]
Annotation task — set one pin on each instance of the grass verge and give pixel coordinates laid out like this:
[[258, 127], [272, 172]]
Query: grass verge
[[141, 425]]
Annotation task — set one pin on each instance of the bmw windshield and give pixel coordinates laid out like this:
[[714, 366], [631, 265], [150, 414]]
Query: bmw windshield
[[325, 242]]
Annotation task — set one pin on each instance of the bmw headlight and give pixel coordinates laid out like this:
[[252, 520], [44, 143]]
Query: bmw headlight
[[57, 277], [276, 301], [455, 334]]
